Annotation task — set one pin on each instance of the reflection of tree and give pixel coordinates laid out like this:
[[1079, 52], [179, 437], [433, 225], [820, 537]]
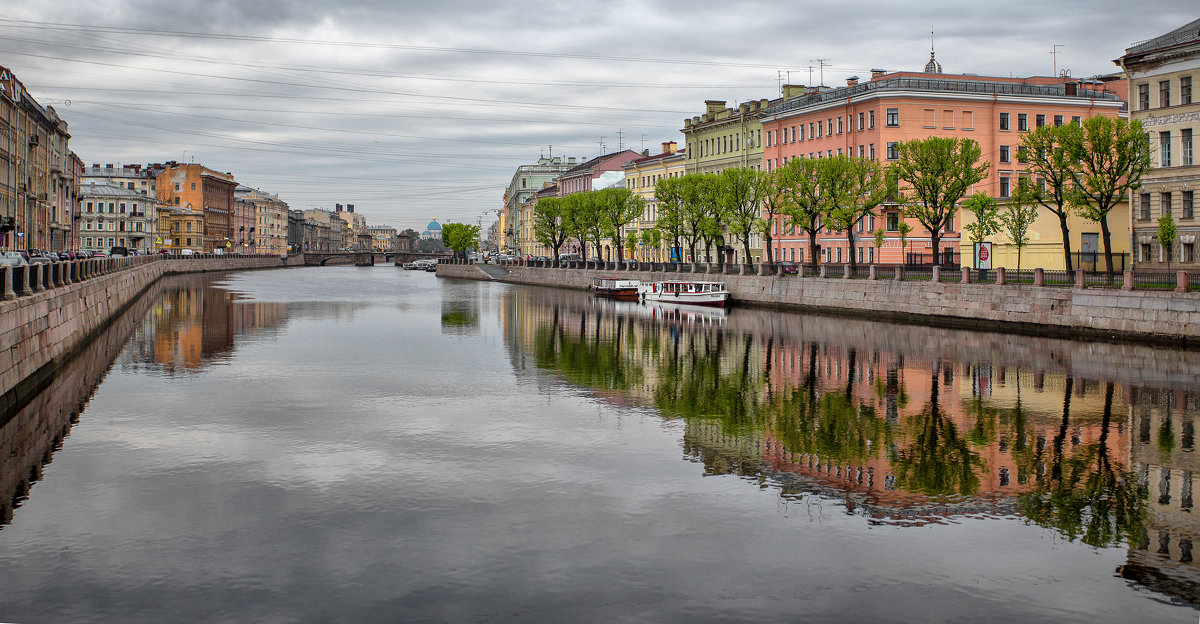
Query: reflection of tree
[[459, 316], [595, 361], [1086, 496], [692, 383], [938, 459]]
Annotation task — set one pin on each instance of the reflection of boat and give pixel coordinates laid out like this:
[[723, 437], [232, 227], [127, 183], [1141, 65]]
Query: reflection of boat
[[694, 293], [686, 314], [616, 288]]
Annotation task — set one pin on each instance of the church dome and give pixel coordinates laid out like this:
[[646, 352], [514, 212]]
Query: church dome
[[434, 226], [933, 67]]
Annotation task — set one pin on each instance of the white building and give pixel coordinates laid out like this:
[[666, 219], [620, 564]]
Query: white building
[[114, 216]]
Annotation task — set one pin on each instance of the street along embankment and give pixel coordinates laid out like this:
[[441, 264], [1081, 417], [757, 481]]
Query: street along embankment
[[50, 311], [1164, 317]]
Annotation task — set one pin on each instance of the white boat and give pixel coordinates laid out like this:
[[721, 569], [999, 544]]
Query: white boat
[[692, 293]]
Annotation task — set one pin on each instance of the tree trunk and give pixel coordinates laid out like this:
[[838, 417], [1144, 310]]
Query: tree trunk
[[1066, 238], [935, 239], [1108, 263], [850, 240], [746, 248], [767, 252], [812, 248], [620, 248]]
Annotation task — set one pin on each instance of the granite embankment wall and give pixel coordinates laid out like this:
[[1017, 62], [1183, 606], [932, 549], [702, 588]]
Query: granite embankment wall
[[49, 312], [1155, 316]]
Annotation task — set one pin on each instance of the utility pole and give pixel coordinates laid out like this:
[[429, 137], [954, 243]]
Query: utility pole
[[620, 139], [822, 62], [1054, 55], [601, 142]]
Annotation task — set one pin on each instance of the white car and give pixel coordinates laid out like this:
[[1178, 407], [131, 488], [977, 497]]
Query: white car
[[12, 257]]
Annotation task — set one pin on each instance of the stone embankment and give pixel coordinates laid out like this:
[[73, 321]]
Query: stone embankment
[[1161, 316], [49, 311]]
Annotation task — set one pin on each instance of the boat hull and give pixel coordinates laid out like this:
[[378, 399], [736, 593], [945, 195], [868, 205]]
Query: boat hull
[[701, 299]]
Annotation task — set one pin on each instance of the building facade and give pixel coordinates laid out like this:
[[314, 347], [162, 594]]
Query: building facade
[[1161, 73], [526, 181], [37, 209], [725, 137], [262, 224], [641, 175], [196, 187], [868, 119], [114, 216]]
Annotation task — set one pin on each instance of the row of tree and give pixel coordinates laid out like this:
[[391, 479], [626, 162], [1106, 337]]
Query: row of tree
[[1085, 169]]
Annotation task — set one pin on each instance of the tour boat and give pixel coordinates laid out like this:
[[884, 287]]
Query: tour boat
[[616, 288], [694, 293]]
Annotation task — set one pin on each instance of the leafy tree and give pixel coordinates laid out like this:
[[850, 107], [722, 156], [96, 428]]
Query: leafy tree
[[694, 214], [904, 229], [710, 215], [581, 220], [617, 208], [460, 237], [550, 224], [652, 238], [1018, 216], [879, 238], [938, 171], [1166, 235], [805, 204], [1053, 167], [738, 195], [671, 196], [1113, 154], [987, 217], [773, 202], [854, 188]]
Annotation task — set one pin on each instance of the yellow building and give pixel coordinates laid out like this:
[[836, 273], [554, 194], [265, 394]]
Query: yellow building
[[1045, 247], [179, 229], [640, 177]]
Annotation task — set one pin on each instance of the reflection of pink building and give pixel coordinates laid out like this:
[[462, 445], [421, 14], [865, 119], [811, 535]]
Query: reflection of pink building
[[868, 119]]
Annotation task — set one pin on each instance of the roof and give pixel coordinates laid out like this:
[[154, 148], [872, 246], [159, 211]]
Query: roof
[[113, 191], [1185, 34], [591, 163]]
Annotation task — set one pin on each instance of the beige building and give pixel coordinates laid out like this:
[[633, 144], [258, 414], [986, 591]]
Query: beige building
[[114, 216], [725, 137], [270, 219], [383, 238], [355, 225], [516, 225], [37, 204], [641, 176], [1161, 73]]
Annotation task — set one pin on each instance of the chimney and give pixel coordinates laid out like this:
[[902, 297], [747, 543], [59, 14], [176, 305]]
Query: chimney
[[349, 207], [792, 90], [337, 207], [875, 73], [851, 81], [645, 152], [713, 106], [1071, 88], [670, 147], [108, 165]]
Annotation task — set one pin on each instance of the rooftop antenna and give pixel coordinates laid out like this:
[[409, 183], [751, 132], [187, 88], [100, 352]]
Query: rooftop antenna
[[643, 142], [822, 62], [601, 142], [551, 151], [1054, 55], [620, 141]]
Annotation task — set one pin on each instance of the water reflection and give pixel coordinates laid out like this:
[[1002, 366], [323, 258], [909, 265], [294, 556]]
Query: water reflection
[[900, 426]]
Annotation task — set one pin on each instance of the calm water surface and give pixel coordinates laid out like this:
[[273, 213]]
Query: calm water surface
[[347, 444]]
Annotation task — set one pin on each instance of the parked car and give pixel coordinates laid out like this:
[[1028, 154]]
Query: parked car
[[185, 252], [118, 252], [35, 255], [789, 268], [14, 258], [99, 254]]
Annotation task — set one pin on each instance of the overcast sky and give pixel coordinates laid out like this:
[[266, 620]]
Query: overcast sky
[[412, 111]]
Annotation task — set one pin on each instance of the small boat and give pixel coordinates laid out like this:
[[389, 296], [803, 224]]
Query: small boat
[[616, 288], [693, 293]]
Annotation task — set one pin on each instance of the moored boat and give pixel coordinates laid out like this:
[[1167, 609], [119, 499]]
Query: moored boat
[[693, 293], [616, 288]]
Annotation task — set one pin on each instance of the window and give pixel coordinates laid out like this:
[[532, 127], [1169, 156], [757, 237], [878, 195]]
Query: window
[[193, 186], [1144, 252], [111, 208], [1188, 207], [871, 151], [1004, 121], [949, 225], [1185, 146], [839, 130], [862, 151], [893, 117], [1004, 154], [1185, 90], [122, 207], [1143, 96], [928, 118], [870, 119], [893, 222], [176, 186], [1022, 122], [1164, 148], [1145, 207], [892, 152], [829, 127], [948, 119], [1040, 120], [89, 206], [968, 120], [1164, 93], [1004, 186], [1058, 120], [860, 121], [1165, 203], [1189, 252], [1075, 119], [1022, 154]]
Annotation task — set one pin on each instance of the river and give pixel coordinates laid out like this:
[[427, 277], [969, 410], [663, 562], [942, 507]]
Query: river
[[353, 444]]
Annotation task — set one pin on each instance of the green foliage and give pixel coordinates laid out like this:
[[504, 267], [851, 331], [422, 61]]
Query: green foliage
[[1166, 234], [1018, 216], [879, 238], [773, 200], [854, 187], [904, 229], [1113, 155], [670, 193], [581, 220], [987, 216], [938, 172], [738, 193], [617, 207], [550, 223], [460, 237], [806, 203], [1051, 169]]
